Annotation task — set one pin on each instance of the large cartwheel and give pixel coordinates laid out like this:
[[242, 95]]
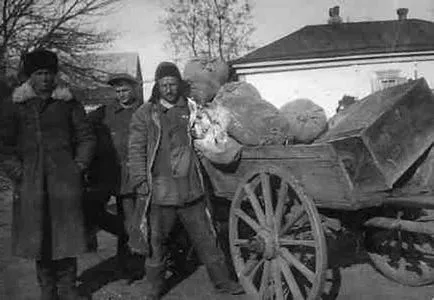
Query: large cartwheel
[[276, 238], [404, 256]]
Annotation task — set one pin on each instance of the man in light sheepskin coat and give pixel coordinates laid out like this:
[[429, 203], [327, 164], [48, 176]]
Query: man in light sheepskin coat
[[46, 144]]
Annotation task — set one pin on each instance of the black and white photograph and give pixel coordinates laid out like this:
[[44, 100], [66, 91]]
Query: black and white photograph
[[216, 149]]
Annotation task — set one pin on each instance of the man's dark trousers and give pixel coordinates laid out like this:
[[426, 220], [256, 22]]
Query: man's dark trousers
[[198, 225]]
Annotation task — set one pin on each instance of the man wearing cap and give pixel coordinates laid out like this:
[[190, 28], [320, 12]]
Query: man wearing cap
[[166, 176], [108, 174], [46, 144]]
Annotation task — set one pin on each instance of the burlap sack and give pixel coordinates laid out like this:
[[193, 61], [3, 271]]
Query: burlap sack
[[307, 120], [205, 76], [253, 121], [210, 137]]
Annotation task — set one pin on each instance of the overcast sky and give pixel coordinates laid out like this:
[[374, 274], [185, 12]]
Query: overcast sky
[[137, 21]]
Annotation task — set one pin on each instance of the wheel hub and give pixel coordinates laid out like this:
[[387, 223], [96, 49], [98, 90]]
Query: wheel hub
[[268, 242]]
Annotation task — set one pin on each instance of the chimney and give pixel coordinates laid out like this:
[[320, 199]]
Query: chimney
[[402, 13], [334, 16]]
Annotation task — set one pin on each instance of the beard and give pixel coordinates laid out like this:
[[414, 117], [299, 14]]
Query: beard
[[171, 97], [127, 100]]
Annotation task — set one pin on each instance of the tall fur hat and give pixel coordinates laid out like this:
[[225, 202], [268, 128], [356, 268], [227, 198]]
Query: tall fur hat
[[40, 59]]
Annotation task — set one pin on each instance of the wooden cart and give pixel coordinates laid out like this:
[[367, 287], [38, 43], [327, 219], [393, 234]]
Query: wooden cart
[[376, 168]]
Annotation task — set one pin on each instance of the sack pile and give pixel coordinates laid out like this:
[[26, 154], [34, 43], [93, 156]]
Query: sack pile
[[205, 77], [253, 120], [307, 120], [236, 115]]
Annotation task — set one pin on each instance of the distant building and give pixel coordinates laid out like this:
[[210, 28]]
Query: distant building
[[326, 62]]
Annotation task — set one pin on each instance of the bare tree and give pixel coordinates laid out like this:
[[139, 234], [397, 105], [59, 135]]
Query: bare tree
[[66, 26], [214, 28]]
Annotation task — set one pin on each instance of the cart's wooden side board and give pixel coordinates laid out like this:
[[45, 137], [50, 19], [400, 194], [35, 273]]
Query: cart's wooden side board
[[317, 168]]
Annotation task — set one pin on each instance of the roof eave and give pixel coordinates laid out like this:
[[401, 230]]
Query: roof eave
[[288, 62]]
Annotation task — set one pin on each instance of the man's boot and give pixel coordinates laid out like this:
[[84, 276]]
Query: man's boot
[[66, 270], [46, 274], [220, 277], [155, 275]]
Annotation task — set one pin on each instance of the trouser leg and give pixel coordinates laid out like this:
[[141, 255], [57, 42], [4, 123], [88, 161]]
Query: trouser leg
[[202, 235], [128, 205], [199, 227], [105, 220], [92, 208], [66, 271], [122, 245], [46, 276], [161, 221]]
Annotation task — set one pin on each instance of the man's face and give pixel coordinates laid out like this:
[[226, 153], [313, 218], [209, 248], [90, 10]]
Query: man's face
[[124, 93], [42, 80], [169, 89]]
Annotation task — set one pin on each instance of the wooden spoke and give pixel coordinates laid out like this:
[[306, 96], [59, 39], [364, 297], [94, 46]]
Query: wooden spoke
[[277, 278], [247, 219], [404, 257], [292, 242], [255, 270], [242, 243], [251, 267], [294, 217], [281, 196], [265, 278], [268, 201], [271, 202], [421, 250], [255, 203], [290, 280], [291, 259]]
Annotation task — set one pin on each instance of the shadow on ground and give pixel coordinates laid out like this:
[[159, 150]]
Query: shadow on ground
[[100, 275], [343, 251], [180, 266]]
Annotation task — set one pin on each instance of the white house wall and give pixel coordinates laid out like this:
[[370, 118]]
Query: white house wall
[[325, 85]]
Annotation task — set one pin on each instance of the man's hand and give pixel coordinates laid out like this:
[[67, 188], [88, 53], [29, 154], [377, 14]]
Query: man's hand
[[143, 190], [83, 173], [16, 173], [81, 166], [12, 168]]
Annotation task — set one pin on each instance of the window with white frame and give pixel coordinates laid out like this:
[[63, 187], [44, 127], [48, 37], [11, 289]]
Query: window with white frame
[[387, 78]]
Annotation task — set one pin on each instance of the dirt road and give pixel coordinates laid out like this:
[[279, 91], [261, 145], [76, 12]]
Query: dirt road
[[355, 278]]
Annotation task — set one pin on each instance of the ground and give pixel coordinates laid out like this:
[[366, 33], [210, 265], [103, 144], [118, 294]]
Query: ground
[[354, 277]]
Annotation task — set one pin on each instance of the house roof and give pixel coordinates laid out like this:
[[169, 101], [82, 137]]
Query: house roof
[[121, 62], [347, 39], [98, 95]]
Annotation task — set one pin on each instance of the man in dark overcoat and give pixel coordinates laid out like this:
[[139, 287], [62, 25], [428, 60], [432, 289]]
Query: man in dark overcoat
[[46, 144], [108, 174]]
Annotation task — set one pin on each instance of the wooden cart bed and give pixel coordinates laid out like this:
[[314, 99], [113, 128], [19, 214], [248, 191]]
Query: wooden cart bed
[[317, 168]]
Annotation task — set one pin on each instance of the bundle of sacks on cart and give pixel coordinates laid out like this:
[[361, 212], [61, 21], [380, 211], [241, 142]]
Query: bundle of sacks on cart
[[233, 114]]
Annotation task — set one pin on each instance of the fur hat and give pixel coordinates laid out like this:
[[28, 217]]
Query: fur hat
[[40, 59], [167, 69]]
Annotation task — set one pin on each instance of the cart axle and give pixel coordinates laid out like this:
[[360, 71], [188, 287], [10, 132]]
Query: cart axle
[[397, 224]]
